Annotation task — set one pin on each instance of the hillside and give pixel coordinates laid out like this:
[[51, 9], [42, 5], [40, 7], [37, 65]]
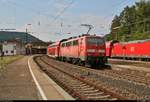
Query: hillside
[[4, 36]]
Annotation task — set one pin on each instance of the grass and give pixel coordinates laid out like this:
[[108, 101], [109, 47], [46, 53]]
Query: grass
[[9, 59]]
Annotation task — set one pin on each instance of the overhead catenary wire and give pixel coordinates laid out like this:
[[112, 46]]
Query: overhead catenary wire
[[61, 13], [116, 6], [47, 15], [37, 12], [65, 9]]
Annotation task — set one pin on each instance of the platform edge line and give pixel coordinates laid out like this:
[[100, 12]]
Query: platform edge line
[[36, 82]]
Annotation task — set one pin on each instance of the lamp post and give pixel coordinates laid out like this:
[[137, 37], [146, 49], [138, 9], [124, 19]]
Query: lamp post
[[27, 33]]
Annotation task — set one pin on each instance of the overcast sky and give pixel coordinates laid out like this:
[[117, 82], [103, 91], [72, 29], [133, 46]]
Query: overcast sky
[[58, 19]]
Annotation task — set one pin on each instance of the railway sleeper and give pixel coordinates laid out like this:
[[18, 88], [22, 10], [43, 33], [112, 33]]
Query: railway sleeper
[[109, 99], [76, 82], [113, 99], [78, 87], [100, 97], [90, 91], [86, 89], [95, 94], [87, 86]]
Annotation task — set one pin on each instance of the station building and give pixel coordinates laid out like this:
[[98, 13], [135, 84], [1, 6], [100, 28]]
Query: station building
[[18, 43]]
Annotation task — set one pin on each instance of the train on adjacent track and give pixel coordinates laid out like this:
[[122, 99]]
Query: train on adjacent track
[[132, 50], [83, 50]]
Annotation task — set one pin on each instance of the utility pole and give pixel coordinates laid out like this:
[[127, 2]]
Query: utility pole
[[61, 28], [26, 36], [26, 41], [39, 26]]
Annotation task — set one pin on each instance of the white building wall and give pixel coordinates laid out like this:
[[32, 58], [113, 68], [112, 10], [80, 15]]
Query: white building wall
[[9, 49]]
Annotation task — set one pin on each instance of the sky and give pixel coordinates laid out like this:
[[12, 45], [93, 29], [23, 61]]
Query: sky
[[53, 20]]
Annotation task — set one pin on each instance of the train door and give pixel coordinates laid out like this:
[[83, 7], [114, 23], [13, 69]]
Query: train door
[[81, 48]]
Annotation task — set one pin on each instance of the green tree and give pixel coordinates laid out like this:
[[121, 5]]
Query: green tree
[[134, 22]]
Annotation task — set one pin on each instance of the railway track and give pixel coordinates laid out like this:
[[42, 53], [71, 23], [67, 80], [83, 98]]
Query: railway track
[[120, 82], [76, 85], [130, 62], [130, 75], [139, 76]]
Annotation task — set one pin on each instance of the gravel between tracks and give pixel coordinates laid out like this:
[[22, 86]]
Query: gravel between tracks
[[130, 62]]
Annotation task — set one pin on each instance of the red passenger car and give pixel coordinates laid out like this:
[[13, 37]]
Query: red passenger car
[[131, 50], [53, 50], [86, 49]]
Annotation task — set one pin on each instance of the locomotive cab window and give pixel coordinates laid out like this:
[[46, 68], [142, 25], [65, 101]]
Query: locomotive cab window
[[95, 41]]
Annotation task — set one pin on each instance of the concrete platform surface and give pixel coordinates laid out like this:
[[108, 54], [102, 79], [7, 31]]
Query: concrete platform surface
[[16, 82], [23, 80]]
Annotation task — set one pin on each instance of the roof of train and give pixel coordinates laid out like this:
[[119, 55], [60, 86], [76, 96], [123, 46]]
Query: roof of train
[[73, 38], [137, 41], [80, 36]]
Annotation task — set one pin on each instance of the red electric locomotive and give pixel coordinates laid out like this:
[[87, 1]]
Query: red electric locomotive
[[82, 50]]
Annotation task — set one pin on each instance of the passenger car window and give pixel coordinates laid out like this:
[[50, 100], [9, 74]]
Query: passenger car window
[[75, 42], [69, 44]]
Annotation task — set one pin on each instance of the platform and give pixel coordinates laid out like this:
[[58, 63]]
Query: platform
[[22, 80]]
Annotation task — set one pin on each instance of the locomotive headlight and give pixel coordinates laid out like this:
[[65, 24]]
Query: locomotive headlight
[[101, 51], [91, 50]]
